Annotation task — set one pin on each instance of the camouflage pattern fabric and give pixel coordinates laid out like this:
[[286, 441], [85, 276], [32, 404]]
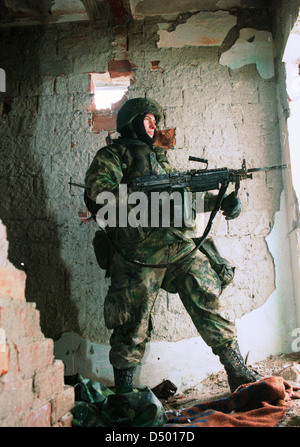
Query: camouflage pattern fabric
[[133, 292], [119, 163], [99, 406], [137, 407], [134, 288]]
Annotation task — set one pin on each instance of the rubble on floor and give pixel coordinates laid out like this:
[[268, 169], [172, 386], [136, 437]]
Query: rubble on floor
[[216, 386]]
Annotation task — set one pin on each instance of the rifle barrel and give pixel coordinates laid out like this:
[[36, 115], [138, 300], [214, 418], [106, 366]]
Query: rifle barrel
[[269, 168]]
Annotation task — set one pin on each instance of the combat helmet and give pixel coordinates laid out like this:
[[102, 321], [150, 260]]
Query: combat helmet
[[134, 107]]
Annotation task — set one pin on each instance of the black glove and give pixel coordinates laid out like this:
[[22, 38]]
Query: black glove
[[231, 206]]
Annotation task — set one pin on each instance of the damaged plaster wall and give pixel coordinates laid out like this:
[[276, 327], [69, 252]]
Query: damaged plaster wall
[[252, 47], [280, 315], [286, 32], [204, 28], [219, 113]]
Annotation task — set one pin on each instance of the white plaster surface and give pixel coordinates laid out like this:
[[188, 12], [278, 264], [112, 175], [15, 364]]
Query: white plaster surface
[[204, 28], [252, 47], [185, 363], [269, 329]]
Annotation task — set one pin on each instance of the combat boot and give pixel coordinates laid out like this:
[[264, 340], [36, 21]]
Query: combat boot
[[237, 371], [124, 377]]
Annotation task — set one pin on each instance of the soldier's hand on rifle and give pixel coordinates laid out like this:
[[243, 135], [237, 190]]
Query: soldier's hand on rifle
[[231, 206]]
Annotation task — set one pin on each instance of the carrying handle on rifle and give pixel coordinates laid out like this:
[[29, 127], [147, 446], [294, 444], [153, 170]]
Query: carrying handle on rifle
[[200, 160]]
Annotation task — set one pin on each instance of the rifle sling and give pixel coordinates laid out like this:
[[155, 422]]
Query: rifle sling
[[199, 241]]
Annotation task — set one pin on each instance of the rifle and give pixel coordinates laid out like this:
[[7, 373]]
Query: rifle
[[197, 180]]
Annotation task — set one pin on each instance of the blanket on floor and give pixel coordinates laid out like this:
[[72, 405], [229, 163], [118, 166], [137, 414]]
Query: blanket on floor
[[260, 404]]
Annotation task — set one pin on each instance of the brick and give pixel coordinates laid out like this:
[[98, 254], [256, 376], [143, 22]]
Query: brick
[[35, 86], [13, 374], [27, 321], [12, 420], [119, 68], [4, 358], [57, 67], [165, 138], [62, 403], [16, 398], [20, 319], [23, 105], [82, 102], [56, 104], [49, 381], [65, 421], [12, 283], [77, 45], [39, 417], [104, 122], [3, 245], [87, 63], [34, 356]]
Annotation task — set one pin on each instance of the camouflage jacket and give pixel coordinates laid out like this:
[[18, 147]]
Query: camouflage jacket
[[119, 163]]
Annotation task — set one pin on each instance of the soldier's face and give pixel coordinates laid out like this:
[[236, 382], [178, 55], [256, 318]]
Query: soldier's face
[[150, 124]]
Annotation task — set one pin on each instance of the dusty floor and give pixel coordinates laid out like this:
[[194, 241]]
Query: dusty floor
[[215, 386]]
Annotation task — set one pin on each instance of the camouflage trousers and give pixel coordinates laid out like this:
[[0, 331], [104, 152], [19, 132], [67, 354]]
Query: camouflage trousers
[[133, 292]]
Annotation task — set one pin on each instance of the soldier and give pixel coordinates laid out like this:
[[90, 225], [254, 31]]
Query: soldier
[[134, 287]]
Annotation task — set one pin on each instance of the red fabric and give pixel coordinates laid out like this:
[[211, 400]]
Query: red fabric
[[259, 404]]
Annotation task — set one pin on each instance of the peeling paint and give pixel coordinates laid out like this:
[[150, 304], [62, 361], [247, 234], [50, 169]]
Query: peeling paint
[[204, 28], [252, 47], [167, 8]]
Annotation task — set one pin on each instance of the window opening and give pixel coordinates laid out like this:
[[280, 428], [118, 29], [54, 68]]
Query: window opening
[[108, 91], [106, 96]]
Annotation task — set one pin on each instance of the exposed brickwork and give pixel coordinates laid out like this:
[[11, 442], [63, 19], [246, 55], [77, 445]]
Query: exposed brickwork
[[104, 122], [4, 358], [12, 283], [165, 138], [32, 389], [119, 68], [61, 404]]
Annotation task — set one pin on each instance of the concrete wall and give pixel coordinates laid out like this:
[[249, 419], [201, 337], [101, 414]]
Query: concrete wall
[[224, 111]]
